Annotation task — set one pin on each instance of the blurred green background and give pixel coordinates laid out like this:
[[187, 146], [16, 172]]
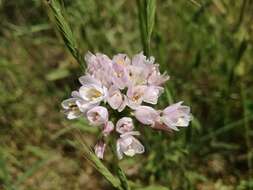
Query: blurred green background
[[206, 46]]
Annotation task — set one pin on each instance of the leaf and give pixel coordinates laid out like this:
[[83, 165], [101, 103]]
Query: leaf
[[146, 12], [65, 31], [151, 7]]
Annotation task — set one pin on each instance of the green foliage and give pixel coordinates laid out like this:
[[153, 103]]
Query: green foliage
[[205, 47], [97, 164]]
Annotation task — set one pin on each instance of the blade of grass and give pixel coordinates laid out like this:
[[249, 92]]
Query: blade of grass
[[142, 24], [98, 165], [226, 128], [65, 31], [146, 12], [246, 129], [121, 175], [4, 173], [29, 172], [151, 8]]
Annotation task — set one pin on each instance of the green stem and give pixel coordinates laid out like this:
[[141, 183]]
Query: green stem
[[121, 175], [96, 163], [246, 129], [146, 13]]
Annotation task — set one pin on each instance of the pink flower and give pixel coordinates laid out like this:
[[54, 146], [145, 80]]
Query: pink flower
[[156, 78], [71, 109], [76, 106], [100, 149], [176, 115], [124, 125], [97, 115], [116, 99], [121, 59], [135, 95], [129, 145], [147, 115], [107, 128], [140, 69], [152, 94], [92, 90], [140, 59], [138, 74], [99, 67], [120, 76]]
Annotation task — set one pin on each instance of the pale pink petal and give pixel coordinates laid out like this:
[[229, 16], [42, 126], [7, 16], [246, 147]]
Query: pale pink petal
[[71, 109], [157, 79], [123, 104], [118, 149], [172, 107], [146, 115], [120, 76], [108, 128], [115, 98], [89, 80], [129, 146], [152, 94], [124, 125], [130, 133], [121, 59], [93, 93], [176, 115], [100, 149], [97, 115], [135, 95]]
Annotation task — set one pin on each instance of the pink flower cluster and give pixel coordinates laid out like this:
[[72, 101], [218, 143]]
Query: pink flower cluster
[[128, 85]]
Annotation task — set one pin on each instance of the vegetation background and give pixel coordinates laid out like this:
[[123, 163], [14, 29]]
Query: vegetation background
[[206, 46]]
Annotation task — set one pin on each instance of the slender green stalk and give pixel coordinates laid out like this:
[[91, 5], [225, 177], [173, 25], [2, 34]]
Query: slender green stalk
[[65, 31], [120, 172], [97, 164], [146, 12], [246, 129], [226, 128]]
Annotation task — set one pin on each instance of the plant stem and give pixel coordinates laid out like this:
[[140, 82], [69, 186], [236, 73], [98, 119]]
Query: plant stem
[[121, 175], [97, 164], [246, 129], [146, 13]]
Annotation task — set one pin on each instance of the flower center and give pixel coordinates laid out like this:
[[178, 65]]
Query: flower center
[[73, 106], [136, 96], [94, 94], [120, 62]]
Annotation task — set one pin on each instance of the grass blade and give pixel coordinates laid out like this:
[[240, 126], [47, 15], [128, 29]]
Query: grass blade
[[65, 31], [33, 169], [97, 164], [146, 12]]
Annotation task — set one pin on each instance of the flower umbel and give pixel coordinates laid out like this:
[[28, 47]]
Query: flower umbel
[[111, 85]]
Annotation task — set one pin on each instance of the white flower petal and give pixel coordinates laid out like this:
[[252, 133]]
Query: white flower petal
[[152, 94]]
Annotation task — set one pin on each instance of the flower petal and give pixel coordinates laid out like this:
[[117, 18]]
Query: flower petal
[[100, 149], [97, 115], [89, 80], [152, 94], [146, 115], [108, 128], [124, 125]]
